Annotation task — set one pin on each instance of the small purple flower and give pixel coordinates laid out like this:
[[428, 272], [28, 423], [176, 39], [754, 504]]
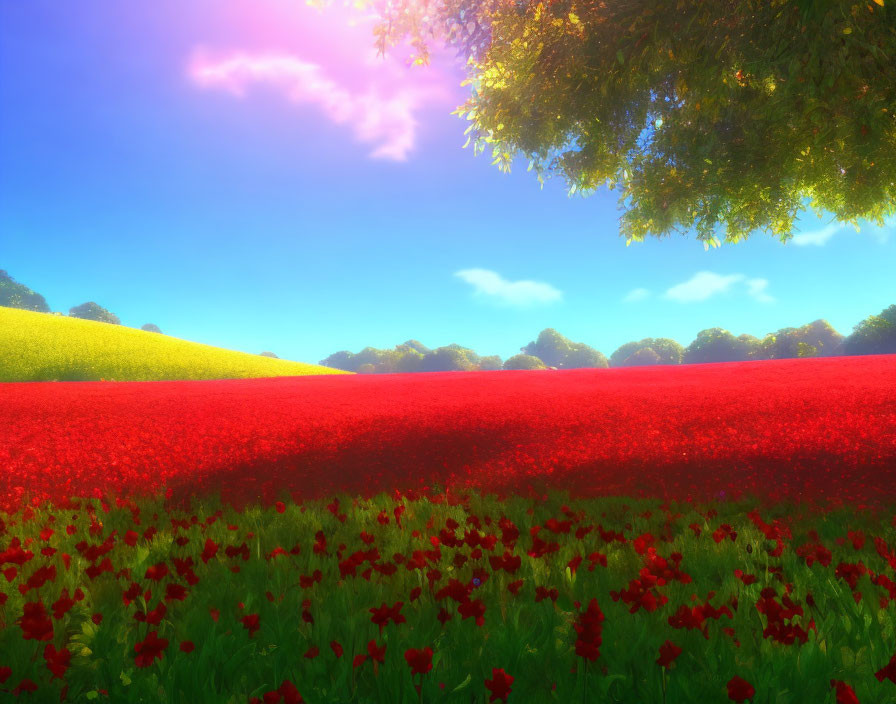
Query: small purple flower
[[476, 581]]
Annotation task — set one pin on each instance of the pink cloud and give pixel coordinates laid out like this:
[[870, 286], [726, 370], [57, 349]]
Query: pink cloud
[[378, 98]]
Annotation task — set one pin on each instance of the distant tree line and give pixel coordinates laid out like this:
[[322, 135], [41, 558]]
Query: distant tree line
[[876, 334], [16, 295], [551, 350], [412, 356]]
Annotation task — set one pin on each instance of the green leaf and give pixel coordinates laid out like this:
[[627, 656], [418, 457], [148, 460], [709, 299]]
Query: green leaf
[[465, 683], [620, 57]]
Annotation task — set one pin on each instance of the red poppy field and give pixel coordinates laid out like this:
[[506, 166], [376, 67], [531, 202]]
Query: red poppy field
[[725, 533]]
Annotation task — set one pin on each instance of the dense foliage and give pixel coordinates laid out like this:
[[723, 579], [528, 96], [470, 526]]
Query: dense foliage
[[718, 345], [412, 356], [721, 117], [524, 361], [42, 347], [151, 327], [555, 350], [446, 598], [665, 351], [16, 295], [95, 312], [874, 335]]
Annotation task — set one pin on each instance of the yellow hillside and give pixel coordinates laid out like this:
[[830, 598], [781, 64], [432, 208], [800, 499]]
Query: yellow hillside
[[46, 347]]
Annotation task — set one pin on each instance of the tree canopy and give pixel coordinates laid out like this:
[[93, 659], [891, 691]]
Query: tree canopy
[[152, 327], [816, 339], [667, 351], [16, 295], [524, 361], [451, 358], [411, 356], [718, 117], [93, 311], [874, 335], [555, 350], [719, 345], [643, 357]]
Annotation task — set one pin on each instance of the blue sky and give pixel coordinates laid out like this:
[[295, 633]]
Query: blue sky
[[237, 176]]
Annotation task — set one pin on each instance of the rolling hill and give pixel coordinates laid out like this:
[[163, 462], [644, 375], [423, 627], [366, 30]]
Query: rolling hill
[[46, 347]]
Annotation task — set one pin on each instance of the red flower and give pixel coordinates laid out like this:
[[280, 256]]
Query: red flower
[[420, 661], [545, 593], [739, 690], [41, 576], [157, 572], [35, 623], [474, 609], [382, 614], [250, 623], [97, 619], [336, 648], [210, 550], [187, 646], [378, 654], [94, 570], [588, 626], [287, 693], [312, 652], [154, 617], [359, 660], [5, 674], [499, 685], [175, 592], [668, 652], [642, 542], [888, 672], [149, 649], [24, 686], [845, 693], [280, 507], [57, 660], [62, 605], [747, 579]]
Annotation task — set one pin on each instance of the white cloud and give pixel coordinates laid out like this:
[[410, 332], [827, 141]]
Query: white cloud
[[701, 286], [384, 116], [490, 284], [756, 289], [705, 284], [637, 294], [819, 238]]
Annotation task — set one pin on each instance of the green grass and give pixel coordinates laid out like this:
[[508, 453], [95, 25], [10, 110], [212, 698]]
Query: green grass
[[532, 641], [47, 347]]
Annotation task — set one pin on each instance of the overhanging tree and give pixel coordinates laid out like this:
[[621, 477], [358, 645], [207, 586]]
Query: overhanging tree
[[723, 117]]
